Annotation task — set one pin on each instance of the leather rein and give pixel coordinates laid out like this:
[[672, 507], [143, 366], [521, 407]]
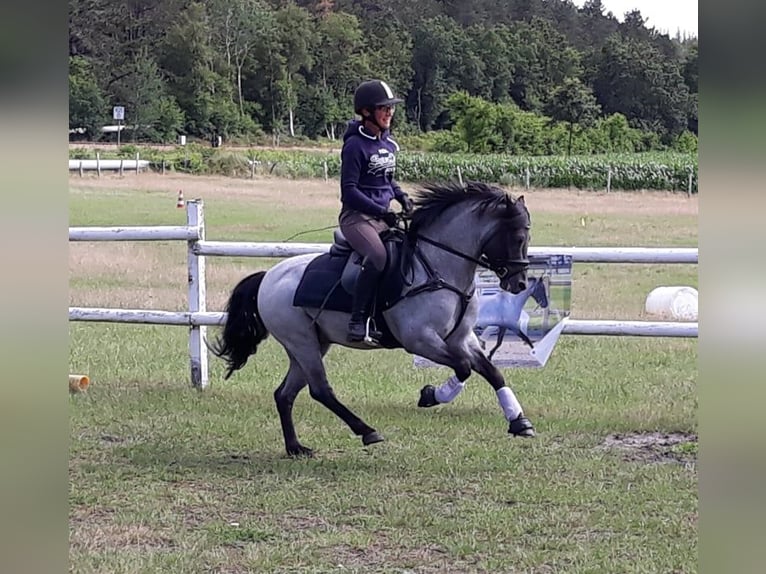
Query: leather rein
[[434, 281]]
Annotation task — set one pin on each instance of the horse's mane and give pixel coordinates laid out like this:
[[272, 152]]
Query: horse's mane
[[433, 198]]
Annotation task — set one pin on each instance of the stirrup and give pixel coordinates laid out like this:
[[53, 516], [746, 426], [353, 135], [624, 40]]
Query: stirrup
[[371, 334]]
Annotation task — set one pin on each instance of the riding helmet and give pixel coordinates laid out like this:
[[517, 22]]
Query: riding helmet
[[374, 93]]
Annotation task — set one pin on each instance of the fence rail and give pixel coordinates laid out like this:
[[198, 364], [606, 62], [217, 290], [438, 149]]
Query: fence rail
[[217, 318], [197, 318], [579, 254]]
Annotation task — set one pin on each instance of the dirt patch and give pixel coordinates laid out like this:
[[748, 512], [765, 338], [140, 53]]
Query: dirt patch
[[319, 194], [585, 202], [426, 559], [654, 447], [91, 530], [286, 192]]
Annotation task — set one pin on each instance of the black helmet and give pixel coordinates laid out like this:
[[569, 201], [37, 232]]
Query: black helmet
[[374, 93]]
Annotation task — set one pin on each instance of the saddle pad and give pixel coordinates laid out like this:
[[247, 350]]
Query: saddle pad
[[322, 277]]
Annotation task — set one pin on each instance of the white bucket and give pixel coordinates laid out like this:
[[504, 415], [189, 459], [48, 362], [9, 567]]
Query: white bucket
[[673, 302]]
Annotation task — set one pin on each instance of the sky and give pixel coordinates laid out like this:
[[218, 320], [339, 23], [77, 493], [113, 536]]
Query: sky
[[664, 15]]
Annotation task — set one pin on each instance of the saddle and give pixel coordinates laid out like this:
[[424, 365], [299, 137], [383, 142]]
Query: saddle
[[328, 283]]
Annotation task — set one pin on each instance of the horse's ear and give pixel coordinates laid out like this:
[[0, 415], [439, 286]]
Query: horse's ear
[[510, 203]]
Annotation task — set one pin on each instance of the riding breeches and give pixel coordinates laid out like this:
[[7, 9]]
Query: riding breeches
[[363, 233]]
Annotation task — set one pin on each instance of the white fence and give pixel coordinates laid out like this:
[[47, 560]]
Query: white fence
[[197, 318], [99, 165]]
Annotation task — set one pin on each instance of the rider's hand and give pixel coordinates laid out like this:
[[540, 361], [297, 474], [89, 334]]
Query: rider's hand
[[391, 218], [406, 203]]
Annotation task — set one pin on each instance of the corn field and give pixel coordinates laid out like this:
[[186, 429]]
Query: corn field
[[667, 171]]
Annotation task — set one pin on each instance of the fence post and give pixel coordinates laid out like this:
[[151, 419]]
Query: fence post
[[137, 170], [98, 164], [325, 171], [122, 161], [609, 180], [459, 175], [691, 176], [526, 177], [80, 168], [195, 217], [252, 168]]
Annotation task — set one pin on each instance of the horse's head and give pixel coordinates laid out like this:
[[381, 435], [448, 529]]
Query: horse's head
[[478, 220], [506, 245], [539, 294]]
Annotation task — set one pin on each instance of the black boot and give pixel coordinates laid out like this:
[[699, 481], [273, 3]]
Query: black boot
[[366, 285]]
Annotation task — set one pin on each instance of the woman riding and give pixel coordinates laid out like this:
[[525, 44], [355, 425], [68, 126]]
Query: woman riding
[[368, 162]]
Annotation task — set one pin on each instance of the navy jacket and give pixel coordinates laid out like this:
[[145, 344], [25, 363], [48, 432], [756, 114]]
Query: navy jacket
[[367, 171]]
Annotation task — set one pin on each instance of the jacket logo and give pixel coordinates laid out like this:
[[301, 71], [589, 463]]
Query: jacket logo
[[382, 162]]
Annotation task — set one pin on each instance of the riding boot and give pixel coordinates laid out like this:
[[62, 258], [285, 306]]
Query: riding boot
[[364, 296]]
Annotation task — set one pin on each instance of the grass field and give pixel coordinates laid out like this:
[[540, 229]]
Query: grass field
[[166, 479]]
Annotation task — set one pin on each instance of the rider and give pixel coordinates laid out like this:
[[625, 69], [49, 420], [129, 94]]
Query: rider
[[367, 186]]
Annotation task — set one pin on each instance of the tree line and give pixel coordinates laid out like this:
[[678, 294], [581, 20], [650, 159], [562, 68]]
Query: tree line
[[476, 75]]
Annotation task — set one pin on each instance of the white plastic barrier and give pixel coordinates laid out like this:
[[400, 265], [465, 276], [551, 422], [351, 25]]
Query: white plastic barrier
[[197, 318]]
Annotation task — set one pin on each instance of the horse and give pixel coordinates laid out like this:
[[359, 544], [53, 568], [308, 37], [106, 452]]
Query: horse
[[503, 312], [453, 229]]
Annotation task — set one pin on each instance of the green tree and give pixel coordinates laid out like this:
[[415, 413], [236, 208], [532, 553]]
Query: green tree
[[240, 26], [690, 72], [295, 41], [87, 106], [544, 60], [476, 122], [437, 63], [633, 78], [342, 62], [574, 103], [618, 135], [141, 93], [193, 71], [495, 47]]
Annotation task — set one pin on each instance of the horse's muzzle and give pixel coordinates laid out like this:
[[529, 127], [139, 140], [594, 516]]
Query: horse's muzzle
[[514, 284]]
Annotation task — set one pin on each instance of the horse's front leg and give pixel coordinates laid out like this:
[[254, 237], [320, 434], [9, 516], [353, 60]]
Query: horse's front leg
[[429, 344], [518, 424]]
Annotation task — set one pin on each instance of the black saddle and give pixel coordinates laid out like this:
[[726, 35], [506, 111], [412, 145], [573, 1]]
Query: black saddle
[[328, 283]]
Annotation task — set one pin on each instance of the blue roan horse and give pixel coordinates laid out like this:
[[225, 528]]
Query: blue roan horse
[[426, 305]]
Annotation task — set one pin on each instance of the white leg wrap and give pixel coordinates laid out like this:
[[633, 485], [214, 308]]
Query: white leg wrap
[[449, 389], [509, 403]]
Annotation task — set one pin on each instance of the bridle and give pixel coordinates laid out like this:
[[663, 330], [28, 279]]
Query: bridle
[[500, 268], [503, 269]]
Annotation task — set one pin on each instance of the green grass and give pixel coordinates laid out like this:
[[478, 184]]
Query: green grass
[[166, 479]]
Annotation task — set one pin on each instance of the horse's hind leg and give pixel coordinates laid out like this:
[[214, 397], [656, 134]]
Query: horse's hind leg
[[518, 424], [321, 391], [284, 396], [309, 357]]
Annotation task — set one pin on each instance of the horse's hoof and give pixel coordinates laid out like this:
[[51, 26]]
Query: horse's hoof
[[299, 451], [372, 438], [428, 397], [520, 426]]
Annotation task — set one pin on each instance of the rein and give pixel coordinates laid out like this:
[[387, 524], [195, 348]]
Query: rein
[[436, 282], [500, 270]]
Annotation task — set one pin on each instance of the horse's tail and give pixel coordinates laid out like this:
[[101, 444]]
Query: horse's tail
[[244, 329]]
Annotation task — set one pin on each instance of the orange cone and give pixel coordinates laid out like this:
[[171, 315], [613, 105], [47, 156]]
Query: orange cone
[[180, 202]]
